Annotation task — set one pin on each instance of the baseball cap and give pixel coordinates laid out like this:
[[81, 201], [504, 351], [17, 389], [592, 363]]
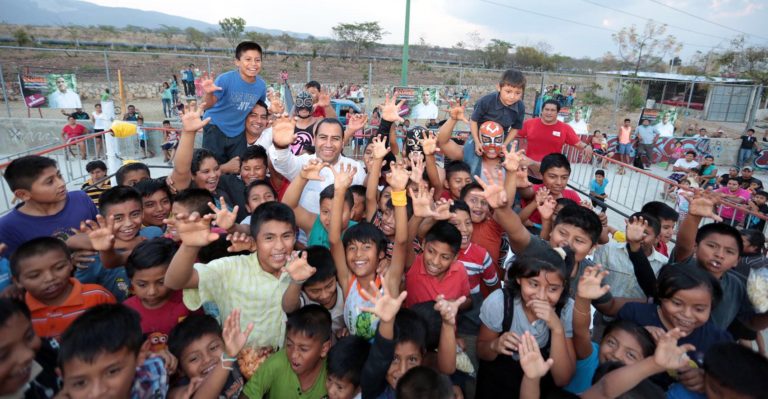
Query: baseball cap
[[749, 168]]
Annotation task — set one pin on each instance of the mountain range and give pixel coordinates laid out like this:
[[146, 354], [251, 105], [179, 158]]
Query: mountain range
[[75, 12]]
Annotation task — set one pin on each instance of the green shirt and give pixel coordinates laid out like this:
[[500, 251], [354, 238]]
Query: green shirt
[[275, 379]]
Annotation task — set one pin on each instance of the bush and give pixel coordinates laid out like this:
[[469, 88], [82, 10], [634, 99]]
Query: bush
[[632, 97]]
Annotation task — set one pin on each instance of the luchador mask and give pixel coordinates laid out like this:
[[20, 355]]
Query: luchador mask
[[413, 139], [303, 101], [491, 138]]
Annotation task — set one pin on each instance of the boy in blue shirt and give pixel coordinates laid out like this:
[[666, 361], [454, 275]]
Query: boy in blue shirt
[[597, 187], [503, 107], [229, 100]]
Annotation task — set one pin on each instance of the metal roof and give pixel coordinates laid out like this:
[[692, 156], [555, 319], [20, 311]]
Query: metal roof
[[674, 76]]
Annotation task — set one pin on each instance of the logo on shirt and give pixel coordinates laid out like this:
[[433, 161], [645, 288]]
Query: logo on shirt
[[556, 133]]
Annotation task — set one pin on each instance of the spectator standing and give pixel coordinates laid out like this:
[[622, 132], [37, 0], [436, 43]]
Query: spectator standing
[[167, 99], [647, 137], [175, 89], [132, 115], [71, 131], [747, 148], [101, 122], [188, 79], [624, 147]]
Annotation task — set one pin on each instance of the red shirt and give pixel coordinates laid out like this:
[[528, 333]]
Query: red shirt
[[319, 112], [487, 234], [162, 319], [51, 321], [536, 217], [479, 266], [662, 248], [73, 131], [423, 287], [546, 139]]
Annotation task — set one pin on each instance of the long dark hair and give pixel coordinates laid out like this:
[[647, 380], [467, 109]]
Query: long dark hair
[[549, 260]]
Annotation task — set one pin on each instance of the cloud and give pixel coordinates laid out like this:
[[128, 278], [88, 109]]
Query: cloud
[[727, 9]]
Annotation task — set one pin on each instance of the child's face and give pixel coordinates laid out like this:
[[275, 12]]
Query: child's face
[[565, 234], [305, 354], [323, 292], [599, 179], [547, 286], [463, 222], [156, 208], [362, 258], [438, 257], [176, 208], [201, 356], [48, 188], [407, 356], [456, 182], [384, 197], [128, 216], [18, 346], [556, 179], [689, 157], [358, 211], [249, 63], [649, 238], [259, 195], [667, 229], [140, 122], [46, 276], [253, 169], [131, 178], [478, 206], [97, 174], [340, 388], [760, 199], [325, 213], [148, 286], [509, 95], [687, 309], [620, 346], [109, 375], [207, 176], [717, 253], [387, 225], [274, 244], [368, 154]]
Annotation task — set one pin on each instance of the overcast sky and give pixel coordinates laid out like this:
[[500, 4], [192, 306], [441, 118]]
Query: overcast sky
[[446, 22]]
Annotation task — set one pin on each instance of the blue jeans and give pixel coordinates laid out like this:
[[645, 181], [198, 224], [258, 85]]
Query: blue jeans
[[744, 155], [167, 108]]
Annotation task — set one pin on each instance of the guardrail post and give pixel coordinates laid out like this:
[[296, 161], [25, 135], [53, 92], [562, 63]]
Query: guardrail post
[[5, 95]]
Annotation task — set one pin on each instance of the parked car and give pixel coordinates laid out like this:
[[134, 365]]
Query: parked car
[[342, 107]]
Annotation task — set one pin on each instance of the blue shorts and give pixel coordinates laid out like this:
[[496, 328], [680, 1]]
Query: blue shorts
[[624, 149]]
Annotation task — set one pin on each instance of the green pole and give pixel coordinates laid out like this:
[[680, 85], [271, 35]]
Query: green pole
[[404, 68]]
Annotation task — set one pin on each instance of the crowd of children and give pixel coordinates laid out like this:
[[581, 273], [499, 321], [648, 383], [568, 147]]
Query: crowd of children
[[313, 275]]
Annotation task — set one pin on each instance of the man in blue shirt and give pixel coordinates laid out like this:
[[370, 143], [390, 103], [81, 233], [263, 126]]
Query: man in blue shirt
[[229, 100]]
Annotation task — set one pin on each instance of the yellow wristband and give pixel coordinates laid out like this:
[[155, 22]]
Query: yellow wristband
[[399, 198]]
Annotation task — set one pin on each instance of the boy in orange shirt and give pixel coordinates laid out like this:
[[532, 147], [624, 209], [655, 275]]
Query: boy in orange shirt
[[43, 267]]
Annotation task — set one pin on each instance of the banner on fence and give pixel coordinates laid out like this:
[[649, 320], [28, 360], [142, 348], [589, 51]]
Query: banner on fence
[[53, 90], [420, 102]]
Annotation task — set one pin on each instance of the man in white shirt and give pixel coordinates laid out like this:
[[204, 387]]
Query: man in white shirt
[[426, 109], [579, 125], [63, 97], [329, 139], [256, 130], [665, 128]]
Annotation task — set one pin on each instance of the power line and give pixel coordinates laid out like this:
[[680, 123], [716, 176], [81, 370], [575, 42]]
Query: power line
[[706, 20], [575, 22], [649, 19]]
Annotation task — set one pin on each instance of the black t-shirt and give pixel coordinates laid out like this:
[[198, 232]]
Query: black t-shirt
[[747, 142], [745, 183]]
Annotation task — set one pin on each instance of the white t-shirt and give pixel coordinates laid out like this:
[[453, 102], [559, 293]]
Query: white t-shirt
[[682, 163], [69, 99], [101, 120], [579, 127], [422, 111], [265, 140], [665, 129]]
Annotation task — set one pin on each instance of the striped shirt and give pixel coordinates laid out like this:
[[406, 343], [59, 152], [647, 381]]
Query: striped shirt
[[479, 265], [239, 282], [51, 321], [94, 192]]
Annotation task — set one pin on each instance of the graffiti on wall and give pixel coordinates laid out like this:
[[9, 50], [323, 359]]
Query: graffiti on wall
[[665, 147]]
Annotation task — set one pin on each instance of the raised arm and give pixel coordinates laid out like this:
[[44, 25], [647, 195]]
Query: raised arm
[[299, 271], [354, 124], [283, 135], [341, 183], [429, 146], [194, 232], [182, 163], [389, 116], [209, 88], [380, 150], [398, 180], [310, 171], [446, 352], [497, 196], [450, 149]]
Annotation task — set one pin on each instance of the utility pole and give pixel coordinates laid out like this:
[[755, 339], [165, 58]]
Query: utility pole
[[404, 68]]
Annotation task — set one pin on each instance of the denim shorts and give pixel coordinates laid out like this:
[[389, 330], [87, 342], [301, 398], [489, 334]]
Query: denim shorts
[[625, 149]]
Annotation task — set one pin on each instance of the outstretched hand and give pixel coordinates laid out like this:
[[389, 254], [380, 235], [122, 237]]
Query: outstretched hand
[[390, 111], [195, 230], [192, 120], [398, 176], [208, 84], [276, 106], [385, 307], [493, 190], [101, 232], [589, 283], [532, 362], [298, 268], [636, 229], [703, 205], [448, 309], [670, 356], [379, 147], [283, 131], [429, 143], [240, 242], [224, 217], [342, 178], [234, 338], [311, 170], [456, 111]]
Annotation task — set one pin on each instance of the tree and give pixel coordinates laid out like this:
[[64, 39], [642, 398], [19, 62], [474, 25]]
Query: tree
[[645, 49], [496, 53], [362, 35], [22, 38], [289, 42], [196, 37], [168, 32], [232, 29], [745, 62], [263, 39], [529, 57]]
